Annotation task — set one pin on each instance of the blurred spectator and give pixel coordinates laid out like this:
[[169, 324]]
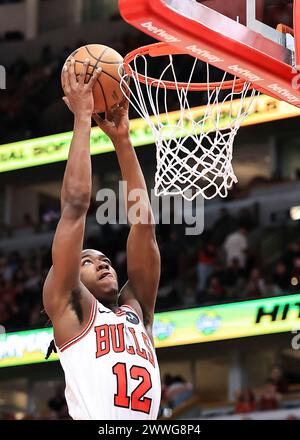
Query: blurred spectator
[[279, 380], [255, 286], [28, 226], [292, 256], [281, 276], [165, 406], [189, 296], [58, 403], [215, 290], [269, 398], [235, 246], [269, 288], [245, 402], [235, 275], [7, 293], [292, 417], [176, 390], [51, 218], [206, 261]]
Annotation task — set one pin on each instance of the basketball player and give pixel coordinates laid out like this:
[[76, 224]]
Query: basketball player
[[103, 336]]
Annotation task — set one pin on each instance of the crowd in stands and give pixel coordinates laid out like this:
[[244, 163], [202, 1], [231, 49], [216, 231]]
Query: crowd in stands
[[56, 409], [267, 398], [174, 391], [219, 266]]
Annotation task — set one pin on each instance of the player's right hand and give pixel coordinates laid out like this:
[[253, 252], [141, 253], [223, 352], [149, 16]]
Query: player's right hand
[[79, 94]]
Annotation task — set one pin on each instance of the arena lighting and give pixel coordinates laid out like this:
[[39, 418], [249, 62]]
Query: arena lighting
[[294, 281], [53, 149], [181, 327], [295, 213]]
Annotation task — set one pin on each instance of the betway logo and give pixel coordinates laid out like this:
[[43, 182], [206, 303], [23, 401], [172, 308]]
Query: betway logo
[[160, 32], [277, 313], [284, 93], [247, 74]]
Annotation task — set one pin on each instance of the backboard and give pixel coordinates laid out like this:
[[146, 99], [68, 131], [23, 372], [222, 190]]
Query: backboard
[[240, 37], [262, 16]]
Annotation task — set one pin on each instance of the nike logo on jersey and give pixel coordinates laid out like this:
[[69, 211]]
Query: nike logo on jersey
[[103, 311]]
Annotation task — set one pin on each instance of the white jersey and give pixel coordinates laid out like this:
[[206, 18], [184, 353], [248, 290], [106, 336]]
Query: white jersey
[[111, 368]]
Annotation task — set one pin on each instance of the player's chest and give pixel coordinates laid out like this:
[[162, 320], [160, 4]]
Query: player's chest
[[120, 332]]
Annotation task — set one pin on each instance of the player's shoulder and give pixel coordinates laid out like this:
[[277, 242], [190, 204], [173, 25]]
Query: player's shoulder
[[134, 317], [127, 298], [133, 306]]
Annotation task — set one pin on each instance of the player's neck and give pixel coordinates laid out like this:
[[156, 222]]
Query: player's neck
[[110, 305]]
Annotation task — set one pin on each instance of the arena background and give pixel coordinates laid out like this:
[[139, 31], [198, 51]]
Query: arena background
[[227, 334]]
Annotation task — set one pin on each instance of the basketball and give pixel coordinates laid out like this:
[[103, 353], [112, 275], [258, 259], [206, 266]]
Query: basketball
[[107, 90]]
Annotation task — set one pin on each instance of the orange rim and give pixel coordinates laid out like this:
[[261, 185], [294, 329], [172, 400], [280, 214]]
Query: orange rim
[[163, 49]]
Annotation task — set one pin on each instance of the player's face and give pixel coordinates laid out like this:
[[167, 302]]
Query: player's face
[[98, 275]]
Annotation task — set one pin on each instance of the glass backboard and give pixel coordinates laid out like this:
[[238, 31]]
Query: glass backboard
[[269, 12]]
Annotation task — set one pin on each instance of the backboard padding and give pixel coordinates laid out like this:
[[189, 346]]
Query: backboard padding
[[254, 52]]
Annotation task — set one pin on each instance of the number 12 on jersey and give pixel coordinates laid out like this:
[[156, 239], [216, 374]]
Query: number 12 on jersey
[[137, 401]]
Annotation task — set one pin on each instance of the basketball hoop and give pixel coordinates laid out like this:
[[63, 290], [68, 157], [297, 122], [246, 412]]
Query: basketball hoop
[[194, 153]]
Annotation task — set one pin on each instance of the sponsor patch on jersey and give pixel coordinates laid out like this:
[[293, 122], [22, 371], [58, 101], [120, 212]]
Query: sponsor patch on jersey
[[132, 318]]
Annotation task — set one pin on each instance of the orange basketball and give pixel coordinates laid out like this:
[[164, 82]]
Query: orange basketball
[[106, 90]]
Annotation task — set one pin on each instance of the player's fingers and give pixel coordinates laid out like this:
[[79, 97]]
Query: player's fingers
[[110, 115], [83, 73], [72, 75], [114, 108], [125, 103], [95, 77], [65, 79], [99, 121]]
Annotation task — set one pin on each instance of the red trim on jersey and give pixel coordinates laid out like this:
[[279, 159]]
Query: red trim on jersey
[[84, 332], [120, 313], [126, 305]]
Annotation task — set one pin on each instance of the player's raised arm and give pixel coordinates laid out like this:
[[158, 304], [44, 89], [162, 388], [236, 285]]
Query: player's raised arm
[[64, 276], [143, 257]]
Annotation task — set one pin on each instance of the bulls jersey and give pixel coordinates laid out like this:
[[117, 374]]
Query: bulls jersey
[[111, 368]]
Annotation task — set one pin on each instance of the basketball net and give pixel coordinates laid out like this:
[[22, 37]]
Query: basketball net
[[194, 154]]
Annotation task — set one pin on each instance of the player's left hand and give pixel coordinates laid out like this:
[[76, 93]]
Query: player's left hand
[[116, 123]]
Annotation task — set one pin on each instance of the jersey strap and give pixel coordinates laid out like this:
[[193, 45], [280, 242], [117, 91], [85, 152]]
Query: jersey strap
[[84, 332]]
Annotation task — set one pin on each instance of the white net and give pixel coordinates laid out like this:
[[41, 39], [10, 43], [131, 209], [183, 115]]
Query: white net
[[194, 144]]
